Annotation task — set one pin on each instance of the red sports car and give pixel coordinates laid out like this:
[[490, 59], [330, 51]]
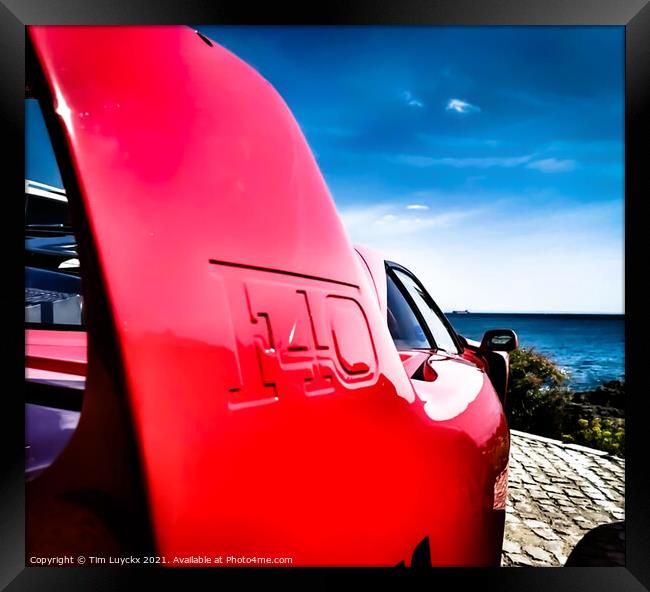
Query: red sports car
[[241, 385]]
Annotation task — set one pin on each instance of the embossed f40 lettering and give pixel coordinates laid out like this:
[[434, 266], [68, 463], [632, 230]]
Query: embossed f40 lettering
[[293, 337]]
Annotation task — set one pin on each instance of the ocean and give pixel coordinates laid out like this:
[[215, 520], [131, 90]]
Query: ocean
[[591, 348]]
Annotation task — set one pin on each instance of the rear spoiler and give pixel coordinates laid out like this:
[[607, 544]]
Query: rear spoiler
[[46, 191]]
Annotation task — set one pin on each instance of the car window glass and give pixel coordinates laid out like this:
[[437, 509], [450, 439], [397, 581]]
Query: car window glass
[[441, 334], [405, 329]]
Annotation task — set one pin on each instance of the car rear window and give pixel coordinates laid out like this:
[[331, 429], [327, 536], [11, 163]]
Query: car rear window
[[404, 327], [52, 276]]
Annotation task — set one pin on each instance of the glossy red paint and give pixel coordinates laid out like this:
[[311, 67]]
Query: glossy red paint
[[272, 412], [56, 351]]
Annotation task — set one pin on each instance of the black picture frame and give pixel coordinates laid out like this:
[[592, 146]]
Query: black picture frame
[[634, 15]]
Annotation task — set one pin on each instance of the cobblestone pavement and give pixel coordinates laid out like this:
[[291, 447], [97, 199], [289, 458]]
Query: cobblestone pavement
[[556, 493]]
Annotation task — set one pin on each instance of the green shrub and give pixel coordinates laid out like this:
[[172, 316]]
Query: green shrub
[[529, 369], [537, 400], [606, 434]]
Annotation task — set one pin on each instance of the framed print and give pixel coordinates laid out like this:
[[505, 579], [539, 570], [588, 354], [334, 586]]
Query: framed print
[[347, 290]]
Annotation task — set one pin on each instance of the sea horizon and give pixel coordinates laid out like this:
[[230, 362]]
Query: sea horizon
[[590, 347]]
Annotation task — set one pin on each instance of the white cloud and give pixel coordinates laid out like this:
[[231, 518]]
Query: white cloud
[[501, 257], [552, 165], [417, 207], [410, 100], [481, 163], [373, 225], [546, 165], [461, 106]]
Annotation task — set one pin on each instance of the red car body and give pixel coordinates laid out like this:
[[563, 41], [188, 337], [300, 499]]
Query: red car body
[[242, 386]]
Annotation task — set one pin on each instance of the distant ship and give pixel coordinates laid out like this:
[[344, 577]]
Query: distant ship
[[460, 312]]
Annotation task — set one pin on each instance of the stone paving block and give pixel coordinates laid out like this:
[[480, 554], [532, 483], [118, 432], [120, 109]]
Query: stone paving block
[[511, 547], [518, 559], [609, 493], [592, 493], [534, 524], [552, 511], [547, 534], [562, 479], [559, 549], [574, 493], [525, 507], [556, 494], [539, 554]]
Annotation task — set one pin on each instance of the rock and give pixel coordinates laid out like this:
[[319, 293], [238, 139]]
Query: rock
[[539, 554], [518, 559], [559, 550], [546, 533], [511, 547]]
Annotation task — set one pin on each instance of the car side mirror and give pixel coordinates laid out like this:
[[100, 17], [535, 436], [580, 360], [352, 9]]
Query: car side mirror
[[503, 340]]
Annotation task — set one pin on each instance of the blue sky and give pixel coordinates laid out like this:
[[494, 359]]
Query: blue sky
[[487, 160]]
